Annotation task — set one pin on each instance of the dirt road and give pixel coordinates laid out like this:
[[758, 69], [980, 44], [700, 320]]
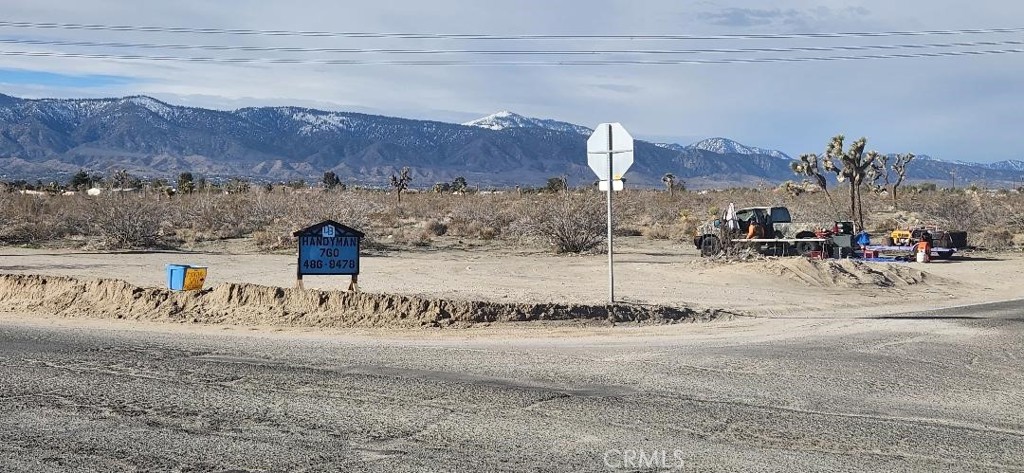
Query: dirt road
[[934, 391]]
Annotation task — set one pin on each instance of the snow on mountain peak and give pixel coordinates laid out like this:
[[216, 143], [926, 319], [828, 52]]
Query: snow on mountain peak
[[727, 146], [500, 121], [1008, 165], [505, 119], [316, 121], [151, 104]]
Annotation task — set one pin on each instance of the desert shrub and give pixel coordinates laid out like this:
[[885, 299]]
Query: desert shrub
[[127, 222], [470, 215], [30, 219], [955, 210], [993, 238], [473, 230], [435, 227], [686, 226], [412, 236], [643, 208], [487, 233], [21, 233], [264, 209], [273, 240], [570, 223], [625, 230], [658, 232]]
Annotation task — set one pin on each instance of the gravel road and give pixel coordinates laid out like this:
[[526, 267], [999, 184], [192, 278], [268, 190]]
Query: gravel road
[[937, 391]]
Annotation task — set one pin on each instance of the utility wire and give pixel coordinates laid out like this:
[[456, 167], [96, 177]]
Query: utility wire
[[289, 49], [596, 62], [231, 31]]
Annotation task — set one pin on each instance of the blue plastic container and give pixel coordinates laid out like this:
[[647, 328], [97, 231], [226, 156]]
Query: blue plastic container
[[176, 276]]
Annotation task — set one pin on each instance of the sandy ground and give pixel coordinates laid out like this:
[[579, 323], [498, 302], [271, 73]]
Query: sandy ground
[[655, 272], [840, 367]]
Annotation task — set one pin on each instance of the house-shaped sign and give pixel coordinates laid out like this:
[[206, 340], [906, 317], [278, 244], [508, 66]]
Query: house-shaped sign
[[328, 248]]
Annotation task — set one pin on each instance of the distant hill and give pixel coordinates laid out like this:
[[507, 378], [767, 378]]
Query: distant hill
[[727, 146], [57, 137], [504, 120]]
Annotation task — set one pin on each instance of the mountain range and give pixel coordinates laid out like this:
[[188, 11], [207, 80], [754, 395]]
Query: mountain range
[[44, 138]]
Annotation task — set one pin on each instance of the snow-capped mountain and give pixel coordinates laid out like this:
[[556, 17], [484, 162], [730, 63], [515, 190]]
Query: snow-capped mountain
[[671, 146], [727, 146], [504, 120], [54, 138], [1009, 165]]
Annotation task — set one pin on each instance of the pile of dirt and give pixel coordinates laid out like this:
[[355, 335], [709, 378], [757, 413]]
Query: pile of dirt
[[841, 273], [249, 304]]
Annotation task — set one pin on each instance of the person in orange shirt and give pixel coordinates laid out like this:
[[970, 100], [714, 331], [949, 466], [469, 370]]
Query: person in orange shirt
[[754, 230], [923, 248]]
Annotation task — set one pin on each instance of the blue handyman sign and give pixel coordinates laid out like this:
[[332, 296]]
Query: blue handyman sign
[[328, 248]]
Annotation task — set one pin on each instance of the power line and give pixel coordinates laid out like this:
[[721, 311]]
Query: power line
[[596, 62], [233, 31], [290, 49]]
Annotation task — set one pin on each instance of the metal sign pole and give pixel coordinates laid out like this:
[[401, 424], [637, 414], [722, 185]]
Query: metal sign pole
[[600, 148], [611, 272]]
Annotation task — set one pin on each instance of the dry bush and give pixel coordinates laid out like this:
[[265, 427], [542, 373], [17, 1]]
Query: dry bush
[[993, 238], [658, 232], [272, 240], [955, 210], [411, 236], [487, 233], [567, 221], [127, 222], [625, 230], [644, 207], [31, 219], [473, 230], [570, 223], [678, 232], [482, 216], [435, 227]]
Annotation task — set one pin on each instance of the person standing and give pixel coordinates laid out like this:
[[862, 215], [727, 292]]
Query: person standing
[[923, 248]]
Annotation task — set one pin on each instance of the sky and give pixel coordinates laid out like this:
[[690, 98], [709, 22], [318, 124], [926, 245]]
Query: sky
[[964, 107]]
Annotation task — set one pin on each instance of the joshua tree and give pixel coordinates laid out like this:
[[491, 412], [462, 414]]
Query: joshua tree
[[186, 183], [330, 180], [459, 184], [853, 167], [809, 166], [237, 186], [80, 181], [401, 182], [900, 168], [122, 179], [669, 180], [879, 171], [556, 184]]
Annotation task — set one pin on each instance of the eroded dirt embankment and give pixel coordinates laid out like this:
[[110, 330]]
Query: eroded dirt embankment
[[249, 304]]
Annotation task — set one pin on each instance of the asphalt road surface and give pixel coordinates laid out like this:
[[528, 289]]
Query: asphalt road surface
[[939, 391]]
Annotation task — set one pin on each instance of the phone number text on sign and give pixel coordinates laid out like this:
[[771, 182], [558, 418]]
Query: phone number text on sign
[[328, 255]]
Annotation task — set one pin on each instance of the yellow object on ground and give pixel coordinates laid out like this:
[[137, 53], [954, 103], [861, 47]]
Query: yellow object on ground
[[900, 237], [194, 278]]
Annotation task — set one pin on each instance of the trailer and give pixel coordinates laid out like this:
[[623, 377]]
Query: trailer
[[787, 246], [782, 235], [872, 251]]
